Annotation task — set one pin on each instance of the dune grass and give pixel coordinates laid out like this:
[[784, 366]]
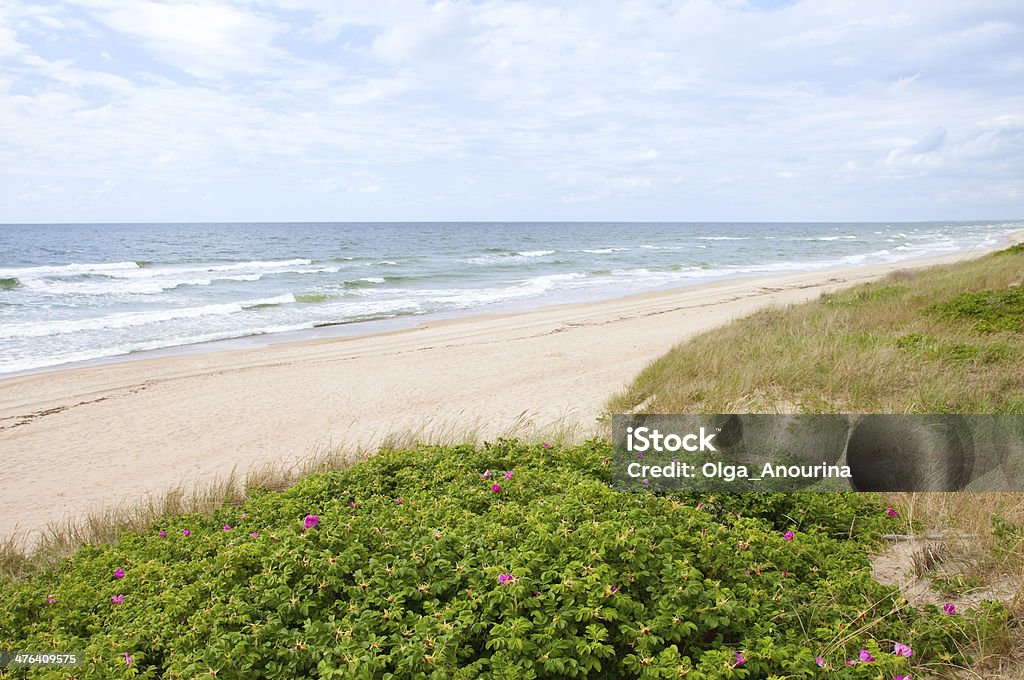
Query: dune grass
[[933, 341]]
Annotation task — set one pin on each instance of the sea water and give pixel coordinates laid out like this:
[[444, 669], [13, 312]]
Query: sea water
[[77, 292]]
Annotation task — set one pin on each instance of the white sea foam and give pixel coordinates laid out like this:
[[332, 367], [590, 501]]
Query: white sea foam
[[41, 329], [74, 269]]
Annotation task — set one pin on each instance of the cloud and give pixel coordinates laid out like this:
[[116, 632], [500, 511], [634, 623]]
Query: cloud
[[502, 110]]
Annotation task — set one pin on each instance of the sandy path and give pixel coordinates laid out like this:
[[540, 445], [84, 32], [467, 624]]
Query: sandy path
[[72, 441]]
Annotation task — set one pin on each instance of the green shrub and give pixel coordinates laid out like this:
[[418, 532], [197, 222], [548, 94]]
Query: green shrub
[[416, 567], [987, 310]]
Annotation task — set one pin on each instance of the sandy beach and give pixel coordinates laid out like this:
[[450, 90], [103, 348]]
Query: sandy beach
[[77, 440]]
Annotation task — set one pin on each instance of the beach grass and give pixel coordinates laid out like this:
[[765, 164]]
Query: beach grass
[[940, 340]]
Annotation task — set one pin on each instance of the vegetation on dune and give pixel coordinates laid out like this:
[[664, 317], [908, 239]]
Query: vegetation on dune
[[945, 340], [506, 561]]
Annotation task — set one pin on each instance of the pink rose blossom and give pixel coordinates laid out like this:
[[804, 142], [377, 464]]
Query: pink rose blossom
[[496, 488], [310, 521], [900, 649]]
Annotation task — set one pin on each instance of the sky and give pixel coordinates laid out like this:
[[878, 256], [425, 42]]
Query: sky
[[341, 110]]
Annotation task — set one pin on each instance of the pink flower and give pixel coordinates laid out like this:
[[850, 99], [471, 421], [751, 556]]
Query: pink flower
[[52, 599], [849, 663], [117, 599], [547, 446], [504, 578], [891, 512], [536, 593], [119, 573], [785, 574], [496, 488], [949, 608], [226, 527], [900, 649], [310, 521], [399, 501], [351, 504], [186, 532], [901, 677], [821, 662], [865, 656], [254, 535], [739, 659], [128, 658], [486, 474], [789, 535], [508, 475], [162, 534]]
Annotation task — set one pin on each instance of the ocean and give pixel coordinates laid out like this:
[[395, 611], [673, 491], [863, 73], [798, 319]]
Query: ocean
[[79, 292]]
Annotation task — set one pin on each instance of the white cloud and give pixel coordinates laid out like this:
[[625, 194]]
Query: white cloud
[[282, 104]]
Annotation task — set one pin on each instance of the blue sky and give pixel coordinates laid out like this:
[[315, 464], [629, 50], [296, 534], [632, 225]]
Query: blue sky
[[224, 110]]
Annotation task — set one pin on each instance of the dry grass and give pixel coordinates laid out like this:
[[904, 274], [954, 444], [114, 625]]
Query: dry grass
[[869, 349], [25, 554]]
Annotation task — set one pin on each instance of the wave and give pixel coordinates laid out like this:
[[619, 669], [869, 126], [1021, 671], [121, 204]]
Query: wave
[[725, 238], [603, 251], [73, 269], [312, 298], [42, 329], [134, 270], [9, 283], [500, 257], [129, 287], [38, 362]]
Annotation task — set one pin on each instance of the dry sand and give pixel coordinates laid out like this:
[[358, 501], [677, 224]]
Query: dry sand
[[78, 440]]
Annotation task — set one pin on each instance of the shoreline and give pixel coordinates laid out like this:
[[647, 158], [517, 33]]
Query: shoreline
[[347, 329], [80, 439]]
